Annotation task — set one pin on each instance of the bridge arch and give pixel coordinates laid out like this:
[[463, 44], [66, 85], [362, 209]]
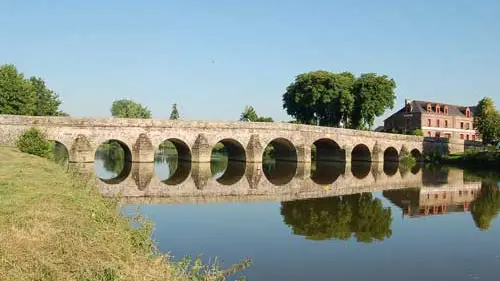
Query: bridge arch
[[173, 161], [326, 149], [280, 161], [113, 161], [60, 152], [361, 153], [228, 161], [415, 153], [391, 154]]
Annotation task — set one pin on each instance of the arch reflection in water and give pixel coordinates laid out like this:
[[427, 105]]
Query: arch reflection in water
[[339, 217], [173, 162], [228, 162], [390, 168], [326, 172], [112, 161], [360, 169], [280, 161]]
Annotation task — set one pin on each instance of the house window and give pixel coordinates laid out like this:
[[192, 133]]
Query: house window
[[448, 135], [446, 123], [467, 137], [467, 113], [461, 125], [438, 109], [446, 110], [429, 133], [429, 107], [438, 123], [438, 135], [461, 136], [429, 123], [467, 126], [473, 137]]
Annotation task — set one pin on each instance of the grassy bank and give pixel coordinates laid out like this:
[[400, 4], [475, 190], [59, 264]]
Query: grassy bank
[[55, 226], [473, 160]]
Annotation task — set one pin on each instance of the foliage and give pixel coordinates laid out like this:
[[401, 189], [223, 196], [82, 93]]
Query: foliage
[[339, 99], [47, 101], [249, 114], [417, 132], [487, 120], [34, 141], [17, 95], [373, 95], [174, 115], [486, 207], [406, 159], [56, 226], [320, 97], [20, 96], [339, 217], [125, 108]]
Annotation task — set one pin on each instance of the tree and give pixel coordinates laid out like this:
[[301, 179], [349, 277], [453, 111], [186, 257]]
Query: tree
[[373, 95], [174, 115], [487, 120], [125, 108], [320, 97], [21, 96], [250, 115], [17, 96], [46, 102]]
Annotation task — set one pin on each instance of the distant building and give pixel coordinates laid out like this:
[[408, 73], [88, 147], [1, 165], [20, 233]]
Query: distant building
[[434, 119]]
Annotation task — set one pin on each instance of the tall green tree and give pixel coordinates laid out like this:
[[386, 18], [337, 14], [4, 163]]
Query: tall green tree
[[17, 95], [487, 120], [125, 108], [47, 101], [174, 115], [249, 114], [320, 97], [339, 99], [373, 95]]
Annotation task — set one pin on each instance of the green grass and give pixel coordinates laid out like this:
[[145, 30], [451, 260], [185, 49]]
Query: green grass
[[55, 226], [473, 159]]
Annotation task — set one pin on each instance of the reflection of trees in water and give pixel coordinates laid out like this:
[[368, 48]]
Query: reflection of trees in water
[[486, 207], [113, 156], [339, 217], [218, 163]]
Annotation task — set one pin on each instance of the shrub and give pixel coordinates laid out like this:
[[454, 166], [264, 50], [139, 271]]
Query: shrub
[[34, 141]]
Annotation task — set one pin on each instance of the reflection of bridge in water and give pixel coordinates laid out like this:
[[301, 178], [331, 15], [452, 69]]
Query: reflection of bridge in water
[[194, 182]]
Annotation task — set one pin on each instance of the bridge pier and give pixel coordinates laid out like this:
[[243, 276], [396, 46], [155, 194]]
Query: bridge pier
[[201, 150], [254, 150], [143, 150]]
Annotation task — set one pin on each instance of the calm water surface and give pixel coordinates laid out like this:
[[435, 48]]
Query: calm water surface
[[443, 228]]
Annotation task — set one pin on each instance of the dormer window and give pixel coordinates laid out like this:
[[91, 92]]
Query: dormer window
[[438, 108], [467, 112], [429, 107], [446, 110]]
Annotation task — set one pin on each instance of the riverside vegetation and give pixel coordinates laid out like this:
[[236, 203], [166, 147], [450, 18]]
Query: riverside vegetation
[[54, 225]]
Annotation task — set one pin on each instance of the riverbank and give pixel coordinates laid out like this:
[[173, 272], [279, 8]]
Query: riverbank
[[473, 160], [56, 226]]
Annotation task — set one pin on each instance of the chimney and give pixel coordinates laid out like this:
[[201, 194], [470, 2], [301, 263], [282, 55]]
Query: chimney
[[407, 101]]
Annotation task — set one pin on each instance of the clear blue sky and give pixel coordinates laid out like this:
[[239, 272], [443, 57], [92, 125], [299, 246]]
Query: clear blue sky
[[215, 57]]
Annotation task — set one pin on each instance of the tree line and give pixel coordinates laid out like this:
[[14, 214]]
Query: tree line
[[26, 96]]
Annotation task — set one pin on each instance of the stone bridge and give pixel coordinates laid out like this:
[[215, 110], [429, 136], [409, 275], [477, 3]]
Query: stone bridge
[[194, 140]]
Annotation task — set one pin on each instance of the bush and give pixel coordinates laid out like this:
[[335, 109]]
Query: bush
[[34, 141]]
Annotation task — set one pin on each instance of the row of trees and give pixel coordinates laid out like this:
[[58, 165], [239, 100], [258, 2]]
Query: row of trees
[[26, 96], [126, 108], [339, 99]]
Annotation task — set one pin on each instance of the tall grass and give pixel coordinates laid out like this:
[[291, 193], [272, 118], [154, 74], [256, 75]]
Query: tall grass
[[54, 225]]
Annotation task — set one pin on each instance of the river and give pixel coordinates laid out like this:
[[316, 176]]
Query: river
[[329, 223]]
